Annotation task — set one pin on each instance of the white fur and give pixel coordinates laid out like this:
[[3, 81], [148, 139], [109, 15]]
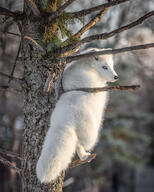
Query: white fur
[[77, 117]]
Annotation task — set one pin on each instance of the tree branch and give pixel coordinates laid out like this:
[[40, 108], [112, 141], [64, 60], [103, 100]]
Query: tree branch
[[79, 162], [109, 52], [15, 62], [9, 76], [34, 8], [104, 36], [108, 88], [6, 12], [10, 154], [35, 43], [10, 165], [97, 8], [60, 10]]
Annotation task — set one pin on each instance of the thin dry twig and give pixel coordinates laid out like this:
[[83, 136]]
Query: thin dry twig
[[97, 8], [109, 52], [11, 33], [10, 154], [6, 12], [10, 165], [14, 65], [105, 36], [35, 43], [60, 10], [107, 88], [9, 76], [34, 8], [79, 162]]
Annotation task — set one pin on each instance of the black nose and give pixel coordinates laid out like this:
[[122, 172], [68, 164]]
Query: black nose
[[116, 77]]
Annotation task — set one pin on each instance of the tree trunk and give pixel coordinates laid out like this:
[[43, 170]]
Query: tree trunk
[[37, 108]]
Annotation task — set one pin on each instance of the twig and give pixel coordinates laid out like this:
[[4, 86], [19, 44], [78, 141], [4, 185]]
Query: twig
[[79, 162], [34, 8], [10, 154], [49, 82], [9, 76], [35, 43], [104, 36], [6, 12], [60, 10], [97, 8], [14, 65], [7, 32], [109, 52], [108, 88], [10, 165]]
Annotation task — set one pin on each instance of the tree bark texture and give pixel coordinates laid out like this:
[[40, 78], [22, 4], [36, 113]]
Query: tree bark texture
[[37, 108]]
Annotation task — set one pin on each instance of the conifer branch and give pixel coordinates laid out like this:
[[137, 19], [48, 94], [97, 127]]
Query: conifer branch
[[10, 165], [60, 10], [105, 36], [109, 52], [6, 12], [97, 8], [34, 8]]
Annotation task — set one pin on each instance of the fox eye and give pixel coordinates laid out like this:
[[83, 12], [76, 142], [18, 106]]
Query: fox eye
[[96, 58], [104, 67]]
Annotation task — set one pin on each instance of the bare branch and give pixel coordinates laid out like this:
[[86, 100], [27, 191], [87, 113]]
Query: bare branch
[[6, 12], [34, 8], [97, 8], [10, 154], [10, 165], [60, 10], [79, 162], [9, 76], [11, 33], [8, 88], [104, 36], [35, 43], [49, 82], [92, 22], [109, 52], [15, 62], [108, 88]]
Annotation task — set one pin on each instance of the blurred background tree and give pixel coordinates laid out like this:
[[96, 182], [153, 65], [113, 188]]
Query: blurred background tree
[[125, 152]]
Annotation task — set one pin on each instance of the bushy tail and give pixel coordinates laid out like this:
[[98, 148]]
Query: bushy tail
[[58, 150]]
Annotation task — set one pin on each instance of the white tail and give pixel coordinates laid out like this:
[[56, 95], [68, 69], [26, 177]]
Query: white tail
[[58, 150]]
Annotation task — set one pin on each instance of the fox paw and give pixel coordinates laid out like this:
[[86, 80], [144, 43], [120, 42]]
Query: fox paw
[[84, 157]]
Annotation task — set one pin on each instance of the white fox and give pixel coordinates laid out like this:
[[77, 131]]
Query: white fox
[[77, 117]]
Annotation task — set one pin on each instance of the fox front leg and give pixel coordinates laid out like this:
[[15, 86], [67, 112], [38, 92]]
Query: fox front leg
[[83, 155]]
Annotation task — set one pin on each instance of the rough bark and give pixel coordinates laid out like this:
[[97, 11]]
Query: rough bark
[[37, 108]]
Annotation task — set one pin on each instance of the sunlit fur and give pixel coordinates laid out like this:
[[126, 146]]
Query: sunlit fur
[[77, 117]]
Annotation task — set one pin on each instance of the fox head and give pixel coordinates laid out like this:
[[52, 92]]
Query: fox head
[[104, 65]]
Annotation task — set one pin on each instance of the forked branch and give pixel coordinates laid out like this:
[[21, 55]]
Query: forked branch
[[97, 8], [105, 36]]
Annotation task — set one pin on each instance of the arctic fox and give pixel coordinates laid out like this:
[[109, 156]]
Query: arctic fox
[[77, 117]]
